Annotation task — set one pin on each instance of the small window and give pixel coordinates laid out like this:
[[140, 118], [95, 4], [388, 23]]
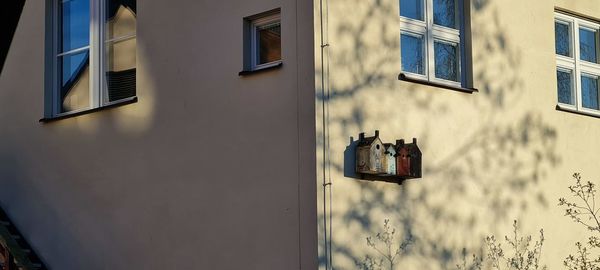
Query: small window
[[262, 41], [431, 41], [577, 47]]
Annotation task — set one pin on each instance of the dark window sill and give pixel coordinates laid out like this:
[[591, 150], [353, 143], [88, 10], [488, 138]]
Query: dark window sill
[[71, 115], [566, 109], [254, 71], [403, 77]]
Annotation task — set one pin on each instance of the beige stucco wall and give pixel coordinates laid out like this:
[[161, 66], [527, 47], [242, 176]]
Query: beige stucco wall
[[498, 155], [208, 170]]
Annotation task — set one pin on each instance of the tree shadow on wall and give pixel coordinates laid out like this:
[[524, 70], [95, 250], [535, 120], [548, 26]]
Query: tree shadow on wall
[[496, 162]]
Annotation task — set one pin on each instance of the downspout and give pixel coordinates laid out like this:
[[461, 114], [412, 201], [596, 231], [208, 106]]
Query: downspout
[[326, 165]]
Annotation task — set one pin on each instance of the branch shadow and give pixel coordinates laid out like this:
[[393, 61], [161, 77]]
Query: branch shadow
[[480, 170]]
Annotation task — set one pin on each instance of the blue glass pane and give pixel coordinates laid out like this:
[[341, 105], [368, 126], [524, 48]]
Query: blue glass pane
[[412, 9], [444, 13], [75, 24], [71, 64], [74, 83], [412, 54], [564, 86], [587, 45], [446, 62], [589, 92], [562, 39]]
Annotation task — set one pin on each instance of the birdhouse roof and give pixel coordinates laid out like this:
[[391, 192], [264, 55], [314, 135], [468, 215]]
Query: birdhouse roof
[[412, 147], [366, 141], [389, 148]]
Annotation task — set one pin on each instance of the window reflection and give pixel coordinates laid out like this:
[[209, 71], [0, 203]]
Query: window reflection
[[589, 92], [74, 19], [563, 38], [117, 44], [120, 69], [444, 13], [412, 9], [120, 49], [120, 18], [412, 53], [587, 45], [564, 87], [269, 39], [74, 87], [446, 62]]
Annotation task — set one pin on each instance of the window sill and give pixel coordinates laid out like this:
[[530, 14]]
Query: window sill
[[403, 77], [88, 111], [571, 110], [262, 69]]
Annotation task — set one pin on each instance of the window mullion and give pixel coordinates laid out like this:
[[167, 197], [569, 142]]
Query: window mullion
[[429, 39], [95, 48], [577, 71], [55, 38], [462, 21], [253, 48], [102, 45]]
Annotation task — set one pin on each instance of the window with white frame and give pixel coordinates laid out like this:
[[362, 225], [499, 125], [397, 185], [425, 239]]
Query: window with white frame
[[431, 46], [577, 43], [262, 40], [94, 62]]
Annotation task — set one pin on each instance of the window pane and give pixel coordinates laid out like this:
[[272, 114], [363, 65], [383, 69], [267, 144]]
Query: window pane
[[412, 9], [269, 43], [444, 13], [75, 24], [120, 18], [74, 83], [562, 39], [446, 61], [121, 69], [589, 92], [588, 45], [412, 53], [565, 87]]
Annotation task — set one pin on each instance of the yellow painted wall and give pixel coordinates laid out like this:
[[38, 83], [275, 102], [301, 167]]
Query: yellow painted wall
[[501, 154]]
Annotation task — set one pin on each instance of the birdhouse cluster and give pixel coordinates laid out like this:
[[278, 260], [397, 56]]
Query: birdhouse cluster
[[401, 160]]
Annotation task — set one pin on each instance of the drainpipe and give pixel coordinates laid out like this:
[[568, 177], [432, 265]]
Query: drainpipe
[[326, 169]]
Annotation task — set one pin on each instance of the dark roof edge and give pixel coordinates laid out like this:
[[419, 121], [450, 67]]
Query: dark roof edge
[[9, 19]]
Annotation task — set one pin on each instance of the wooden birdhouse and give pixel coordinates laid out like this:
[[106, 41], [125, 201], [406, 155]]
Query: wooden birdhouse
[[408, 159], [389, 163], [370, 155]]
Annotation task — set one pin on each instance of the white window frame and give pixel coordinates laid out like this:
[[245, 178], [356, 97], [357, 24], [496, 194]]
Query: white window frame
[[574, 64], [97, 59], [432, 33], [255, 25]]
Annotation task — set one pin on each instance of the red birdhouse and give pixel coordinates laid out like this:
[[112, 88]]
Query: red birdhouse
[[408, 159]]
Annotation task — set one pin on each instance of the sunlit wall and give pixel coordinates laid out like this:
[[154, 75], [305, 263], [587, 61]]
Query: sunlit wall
[[501, 154]]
